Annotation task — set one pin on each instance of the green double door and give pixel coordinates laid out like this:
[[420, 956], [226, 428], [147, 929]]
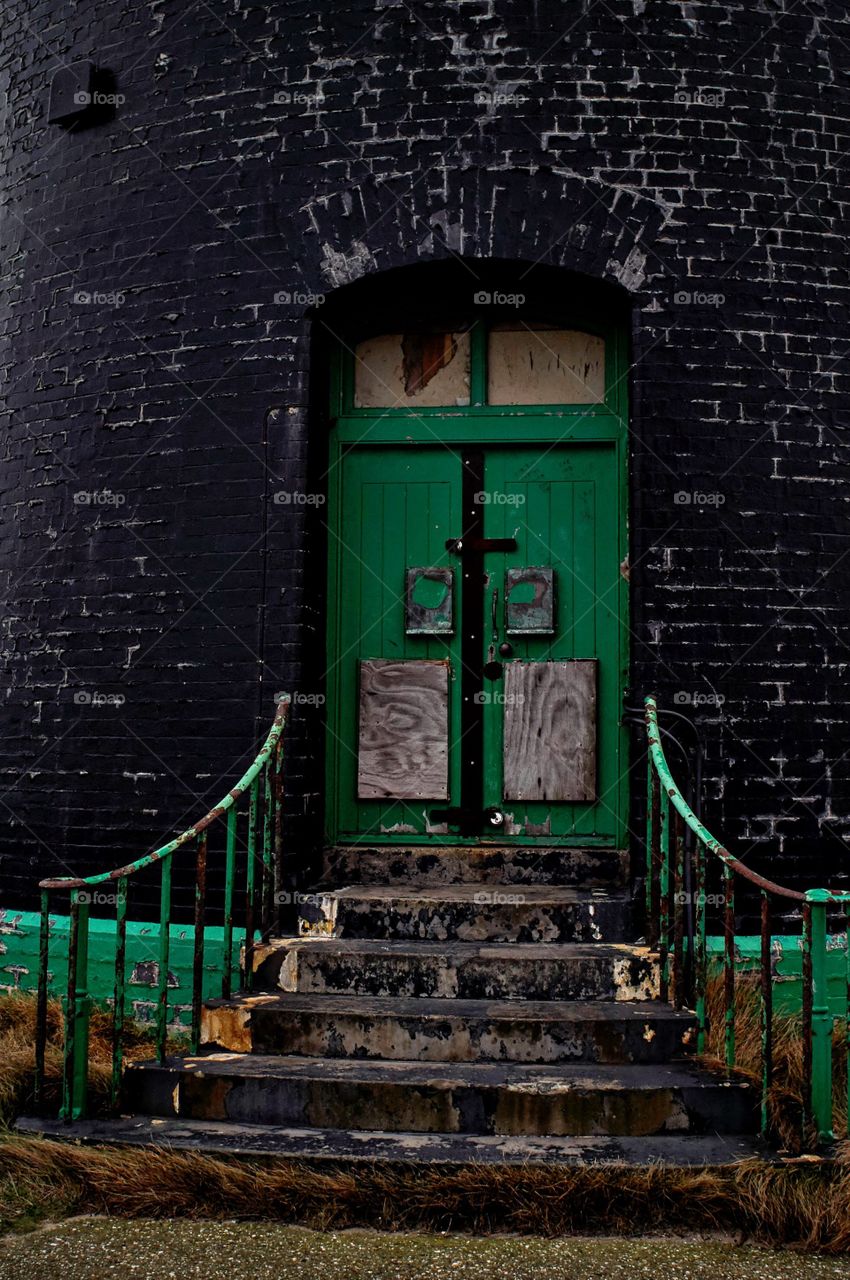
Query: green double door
[[477, 644]]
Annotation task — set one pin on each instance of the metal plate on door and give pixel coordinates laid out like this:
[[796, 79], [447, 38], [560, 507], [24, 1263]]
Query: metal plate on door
[[428, 602], [530, 602]]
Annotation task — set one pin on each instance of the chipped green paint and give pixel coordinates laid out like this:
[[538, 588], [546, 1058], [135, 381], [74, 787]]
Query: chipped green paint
[[19, 947]]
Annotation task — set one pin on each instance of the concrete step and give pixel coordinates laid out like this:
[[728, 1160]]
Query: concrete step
[[505, 1099], [435, 1030], [468, 913], [459, 970], [497, 864], [230, 1139]]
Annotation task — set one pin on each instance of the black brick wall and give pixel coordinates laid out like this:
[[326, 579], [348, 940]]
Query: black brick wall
[[663, 148]]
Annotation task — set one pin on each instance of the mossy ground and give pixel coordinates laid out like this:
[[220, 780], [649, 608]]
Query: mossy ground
[[105, 1248]]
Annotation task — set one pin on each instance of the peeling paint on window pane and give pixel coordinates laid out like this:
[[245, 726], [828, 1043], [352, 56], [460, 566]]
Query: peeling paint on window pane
[[533, 364], [401, 370]]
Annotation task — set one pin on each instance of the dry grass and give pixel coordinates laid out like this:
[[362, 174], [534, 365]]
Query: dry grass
[[17, 1055], [786, 1094], [803, 1204]]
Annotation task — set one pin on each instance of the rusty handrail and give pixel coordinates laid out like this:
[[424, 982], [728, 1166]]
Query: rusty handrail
[[668, 869], [262, 783]]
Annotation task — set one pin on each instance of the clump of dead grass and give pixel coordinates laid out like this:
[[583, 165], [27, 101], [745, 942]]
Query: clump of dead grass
[[17, 1055], [802, 1205]]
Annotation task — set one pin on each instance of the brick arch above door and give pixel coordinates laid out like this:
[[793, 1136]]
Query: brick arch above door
[[544, 216]]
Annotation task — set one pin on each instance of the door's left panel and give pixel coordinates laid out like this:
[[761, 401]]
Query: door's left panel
[[393, 643]]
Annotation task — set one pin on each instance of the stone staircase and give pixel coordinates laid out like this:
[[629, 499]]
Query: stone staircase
[[450, 1004]]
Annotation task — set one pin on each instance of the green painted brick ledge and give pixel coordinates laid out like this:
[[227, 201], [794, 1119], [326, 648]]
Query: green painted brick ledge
[[19, 961]]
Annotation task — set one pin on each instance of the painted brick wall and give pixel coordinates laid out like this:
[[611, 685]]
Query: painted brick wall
[[691, 153]]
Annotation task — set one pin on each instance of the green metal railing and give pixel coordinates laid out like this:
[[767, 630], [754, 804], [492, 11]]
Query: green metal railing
[[262, 783], [677, 871]]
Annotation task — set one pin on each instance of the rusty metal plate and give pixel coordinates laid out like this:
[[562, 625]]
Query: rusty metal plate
[[530, 601], [550, 731], [403, 748], [428, 602]]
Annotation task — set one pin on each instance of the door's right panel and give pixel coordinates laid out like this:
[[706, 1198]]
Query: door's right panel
[[554, 752]]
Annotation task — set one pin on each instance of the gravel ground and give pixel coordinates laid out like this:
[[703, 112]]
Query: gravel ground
[[99, 1248]]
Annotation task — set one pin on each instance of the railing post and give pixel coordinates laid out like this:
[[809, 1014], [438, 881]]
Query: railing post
[[653, 860], [678, 897], [847, 1006], [700, 945], [766, 1014], [250, 886], [651, 782], [229, 877], [729, 965], [198, 949], [164, 955], [664, 892], [119, 1000], [41, 1004], [267, 888], [278, 831], [75, 1076], [819, 1020]]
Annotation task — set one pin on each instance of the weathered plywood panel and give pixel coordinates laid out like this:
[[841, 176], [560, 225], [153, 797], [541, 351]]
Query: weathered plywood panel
[[396, 370], [403, 749], [531, 364], [550, 730]]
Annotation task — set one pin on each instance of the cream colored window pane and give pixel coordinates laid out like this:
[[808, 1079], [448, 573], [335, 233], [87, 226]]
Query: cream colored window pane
[[532, 364], [412, 370]]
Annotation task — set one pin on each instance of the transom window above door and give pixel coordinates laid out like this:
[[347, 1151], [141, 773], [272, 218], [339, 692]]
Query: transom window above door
[[508, 364]]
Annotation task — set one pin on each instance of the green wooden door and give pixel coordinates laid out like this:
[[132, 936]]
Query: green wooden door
[[398, 508], [552, 727], [477, 637]]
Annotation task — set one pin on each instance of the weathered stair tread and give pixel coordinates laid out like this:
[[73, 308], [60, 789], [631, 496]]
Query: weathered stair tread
[[434, 1029], [455, 948], [469, 912], [433, 1008], [484, 862], [457, 969], [470, 1097], [230, 1139], [478, 894], [534, 1076]]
